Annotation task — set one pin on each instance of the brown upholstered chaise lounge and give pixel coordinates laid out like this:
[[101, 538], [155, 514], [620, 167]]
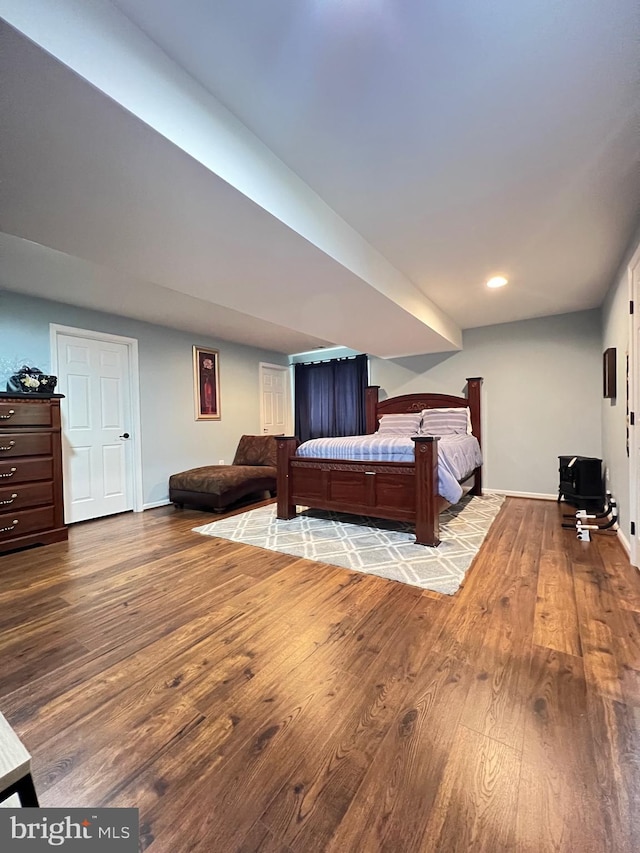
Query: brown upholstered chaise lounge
[[218, 486]]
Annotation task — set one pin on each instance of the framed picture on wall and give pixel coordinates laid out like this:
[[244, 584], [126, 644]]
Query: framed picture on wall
[[609, 373], [206, 384]]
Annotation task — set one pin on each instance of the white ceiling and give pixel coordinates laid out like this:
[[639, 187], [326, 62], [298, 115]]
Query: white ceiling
[[458, 139]]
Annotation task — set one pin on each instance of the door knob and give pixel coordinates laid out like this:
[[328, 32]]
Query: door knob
[[124, 435]]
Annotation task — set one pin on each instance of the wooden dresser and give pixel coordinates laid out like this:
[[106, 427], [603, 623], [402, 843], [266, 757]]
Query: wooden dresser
[[31, 499]]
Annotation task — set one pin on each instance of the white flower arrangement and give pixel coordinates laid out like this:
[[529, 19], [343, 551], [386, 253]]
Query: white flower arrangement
[[30, 382]]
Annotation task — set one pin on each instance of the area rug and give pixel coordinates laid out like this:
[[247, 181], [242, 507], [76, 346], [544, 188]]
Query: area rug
[[373, 546]]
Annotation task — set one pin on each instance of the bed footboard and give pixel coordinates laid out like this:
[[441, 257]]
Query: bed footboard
[[399, 491]]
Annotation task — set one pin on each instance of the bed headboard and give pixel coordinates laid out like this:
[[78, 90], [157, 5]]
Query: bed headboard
[[417, 402]]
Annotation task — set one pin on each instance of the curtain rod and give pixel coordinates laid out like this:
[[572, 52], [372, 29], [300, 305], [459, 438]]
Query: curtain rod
[[328, 360]]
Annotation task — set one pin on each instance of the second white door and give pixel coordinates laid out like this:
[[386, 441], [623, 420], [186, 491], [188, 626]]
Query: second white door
[[275, 399], [94, 377]]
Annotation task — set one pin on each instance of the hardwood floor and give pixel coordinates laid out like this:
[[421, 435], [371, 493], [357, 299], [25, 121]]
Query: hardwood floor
[[250, 701]]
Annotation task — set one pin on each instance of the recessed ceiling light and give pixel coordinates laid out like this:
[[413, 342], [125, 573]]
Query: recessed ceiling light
[[497, 281]]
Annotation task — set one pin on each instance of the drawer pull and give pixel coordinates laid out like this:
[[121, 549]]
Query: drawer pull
[[10, 501], [11, 527], [10, 474], [9, 446], [6, 417]]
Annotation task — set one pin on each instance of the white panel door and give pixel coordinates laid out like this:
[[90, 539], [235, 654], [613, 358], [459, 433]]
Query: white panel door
[[275, 399], [634, 431], [634, 405], [96, 419]]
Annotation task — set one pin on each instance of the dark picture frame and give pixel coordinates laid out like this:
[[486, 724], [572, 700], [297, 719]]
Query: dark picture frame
[[206, 383], [609, 389]]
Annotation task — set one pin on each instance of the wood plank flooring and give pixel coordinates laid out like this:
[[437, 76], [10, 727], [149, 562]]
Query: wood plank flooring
[[250, 701]]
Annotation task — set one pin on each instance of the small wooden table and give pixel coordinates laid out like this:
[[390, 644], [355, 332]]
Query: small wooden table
[[15, 767]]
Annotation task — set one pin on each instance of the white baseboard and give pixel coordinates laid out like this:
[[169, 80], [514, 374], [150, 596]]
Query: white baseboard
[[155, 504], [625, 543], [534, 495]]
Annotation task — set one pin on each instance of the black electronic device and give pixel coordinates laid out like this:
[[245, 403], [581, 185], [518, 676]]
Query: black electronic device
[[581, 481]]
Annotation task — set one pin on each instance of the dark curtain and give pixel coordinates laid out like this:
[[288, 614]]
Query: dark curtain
[[330, 398]]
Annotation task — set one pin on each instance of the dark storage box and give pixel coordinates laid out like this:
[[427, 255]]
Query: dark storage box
[[581, 483]]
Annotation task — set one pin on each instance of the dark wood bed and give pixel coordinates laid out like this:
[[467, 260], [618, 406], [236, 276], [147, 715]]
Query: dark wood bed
[[399, 491]]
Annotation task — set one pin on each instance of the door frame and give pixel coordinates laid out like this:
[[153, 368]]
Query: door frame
[[634, 402], [288, 385], [134, 394]]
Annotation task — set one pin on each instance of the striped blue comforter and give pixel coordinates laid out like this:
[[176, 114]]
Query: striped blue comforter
[[458, 455]]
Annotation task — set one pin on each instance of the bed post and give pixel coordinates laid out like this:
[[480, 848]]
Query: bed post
[[287, 446], [426, 478], [371, 405], [474, 384]]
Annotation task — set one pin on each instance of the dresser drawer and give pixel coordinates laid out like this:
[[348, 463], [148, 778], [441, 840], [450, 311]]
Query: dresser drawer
[[31, 506], [25, 444], [33, 413], [25, 470], [26, 521], [26, 495]]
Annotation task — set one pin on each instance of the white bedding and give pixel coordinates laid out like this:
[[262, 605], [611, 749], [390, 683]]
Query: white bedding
[[458, 455]]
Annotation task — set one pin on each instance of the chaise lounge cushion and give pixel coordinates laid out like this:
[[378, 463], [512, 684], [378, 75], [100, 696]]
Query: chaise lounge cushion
[[257, 450], [219, 479], [217, 486]]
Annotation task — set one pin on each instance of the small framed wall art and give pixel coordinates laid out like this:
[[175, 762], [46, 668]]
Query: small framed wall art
[[206, 383], [609, 389]]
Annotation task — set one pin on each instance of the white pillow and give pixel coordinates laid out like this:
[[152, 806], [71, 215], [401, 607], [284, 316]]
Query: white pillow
[[454, 421], [403, 424]]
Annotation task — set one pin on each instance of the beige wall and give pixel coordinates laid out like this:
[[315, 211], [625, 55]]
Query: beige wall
[[615, 333], [172, 440], [541, 393]]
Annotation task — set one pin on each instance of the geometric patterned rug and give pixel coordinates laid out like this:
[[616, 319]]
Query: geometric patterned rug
[[370, 545]]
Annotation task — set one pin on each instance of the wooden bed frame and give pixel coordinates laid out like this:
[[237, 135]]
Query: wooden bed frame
[[400, 491]]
